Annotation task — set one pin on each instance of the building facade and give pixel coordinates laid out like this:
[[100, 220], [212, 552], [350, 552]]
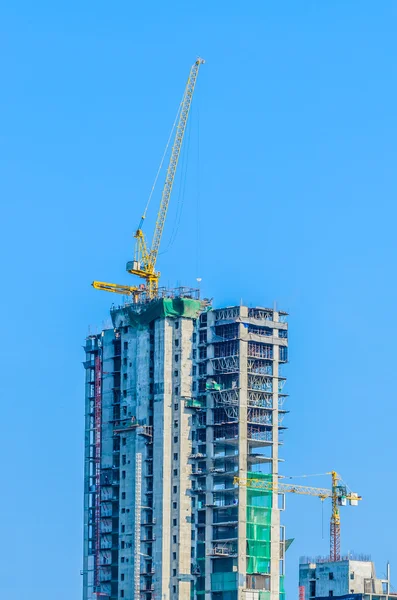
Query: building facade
[[362, 597], [348, 578], [182, 398]]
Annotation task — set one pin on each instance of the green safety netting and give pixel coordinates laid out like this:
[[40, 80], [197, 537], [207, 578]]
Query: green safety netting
[[165, 307], [223, 582], [282, 589], [259, 533], [257, 565], [213, 385], [259, 511]]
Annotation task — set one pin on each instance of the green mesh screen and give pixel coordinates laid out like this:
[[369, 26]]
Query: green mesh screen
[[282, 589], [223, 582], [259, 509], [166, 307]]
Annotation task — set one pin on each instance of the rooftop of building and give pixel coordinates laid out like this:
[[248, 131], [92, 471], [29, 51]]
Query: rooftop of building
[[359, 597], [352, 556], [142, 299], [180, 302]]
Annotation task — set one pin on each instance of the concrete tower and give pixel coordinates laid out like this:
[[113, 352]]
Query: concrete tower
[[180, 399]]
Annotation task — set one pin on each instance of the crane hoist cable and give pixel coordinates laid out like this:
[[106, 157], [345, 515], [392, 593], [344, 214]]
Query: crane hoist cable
[[339, 494], [160, 167], [144, 263]]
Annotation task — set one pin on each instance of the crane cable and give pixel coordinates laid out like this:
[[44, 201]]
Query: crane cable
[[181, 194], [198, 198], [314, 475], [301, 476], [163, 158]]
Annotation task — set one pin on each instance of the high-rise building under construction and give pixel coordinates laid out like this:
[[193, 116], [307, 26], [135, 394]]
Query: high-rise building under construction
[[181, 398]]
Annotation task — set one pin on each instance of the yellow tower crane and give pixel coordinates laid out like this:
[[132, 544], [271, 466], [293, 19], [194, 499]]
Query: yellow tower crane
[[338, 493], [144, 263]]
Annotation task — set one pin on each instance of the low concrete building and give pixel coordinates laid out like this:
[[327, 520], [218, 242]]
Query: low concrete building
[[362, 597], [348, 578]]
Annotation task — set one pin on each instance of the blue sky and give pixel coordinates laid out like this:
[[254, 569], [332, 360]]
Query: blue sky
[[289, 197]]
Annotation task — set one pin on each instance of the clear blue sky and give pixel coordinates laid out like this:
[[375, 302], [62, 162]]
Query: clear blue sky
[[291, 173]]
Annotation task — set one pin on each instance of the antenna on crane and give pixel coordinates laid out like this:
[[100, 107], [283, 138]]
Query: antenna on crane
[[144, 263]]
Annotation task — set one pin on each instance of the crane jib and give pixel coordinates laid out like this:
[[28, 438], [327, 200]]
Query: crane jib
[[144, 263], [175, 153]]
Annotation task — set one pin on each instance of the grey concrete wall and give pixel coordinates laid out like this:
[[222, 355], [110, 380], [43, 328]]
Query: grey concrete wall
[[182, 481], [242, 462], [162, 457], [343, 577], [275, 520], [107, 442], [88, 560], [133, 405], [209, 460]]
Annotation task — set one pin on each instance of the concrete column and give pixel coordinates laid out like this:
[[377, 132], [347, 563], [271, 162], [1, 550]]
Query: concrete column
[[162, 457], [242, 460], [88, 561], [138, 354], [275, 518], [209, 496], [183, 481]]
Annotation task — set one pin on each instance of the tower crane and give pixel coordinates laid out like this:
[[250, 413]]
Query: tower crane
[[338, 493], [144, 263]]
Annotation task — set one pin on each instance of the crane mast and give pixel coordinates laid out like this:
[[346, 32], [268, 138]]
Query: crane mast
[[144, 263], [338, 494], [334, 534]]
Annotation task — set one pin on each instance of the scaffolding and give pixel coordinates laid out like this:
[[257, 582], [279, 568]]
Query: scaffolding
[[256, 434], [224, 314], [137, 542], [260, 366], [225, 365], [98, 439], [260, 383], [261, 314], [264, 414], [259, 399], [259, 350]]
